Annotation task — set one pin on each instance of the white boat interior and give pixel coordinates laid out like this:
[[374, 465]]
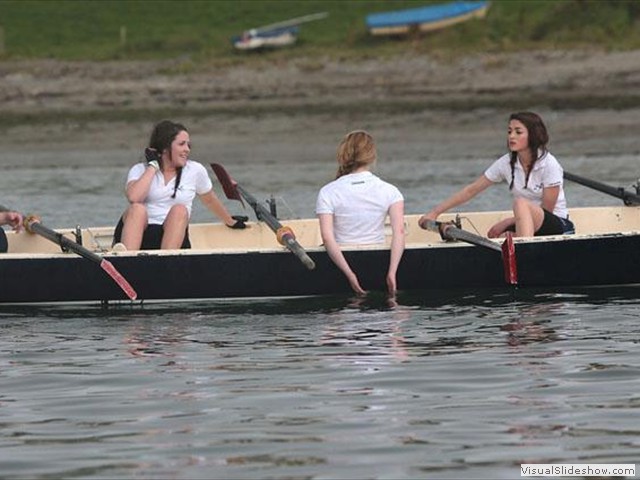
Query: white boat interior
[[207, 237]]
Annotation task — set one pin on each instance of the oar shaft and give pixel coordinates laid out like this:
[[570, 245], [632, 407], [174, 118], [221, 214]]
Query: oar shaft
[[627, 197], [459, 234], [451, 232], [63, 241], [34, 226], [288, 239]]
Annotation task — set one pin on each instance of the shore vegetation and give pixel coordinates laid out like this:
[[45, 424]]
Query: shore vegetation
[[202, 30]]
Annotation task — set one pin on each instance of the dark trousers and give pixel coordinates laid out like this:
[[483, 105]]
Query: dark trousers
[[4, 245]]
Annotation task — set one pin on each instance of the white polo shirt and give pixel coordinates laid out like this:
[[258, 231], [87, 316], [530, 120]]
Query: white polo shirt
[[194, 180], [547, 172], [359, 203]]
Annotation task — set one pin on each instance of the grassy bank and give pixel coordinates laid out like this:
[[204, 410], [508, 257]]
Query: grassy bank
[[201, 30]]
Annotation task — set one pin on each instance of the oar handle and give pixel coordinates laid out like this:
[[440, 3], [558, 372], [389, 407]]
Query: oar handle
[[292, 244], [449, 231], [431, 225], [33, 225]]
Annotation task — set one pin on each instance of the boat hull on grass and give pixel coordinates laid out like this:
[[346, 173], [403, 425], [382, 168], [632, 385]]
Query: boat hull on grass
[[281, 37], [425, 19], [227, 263]]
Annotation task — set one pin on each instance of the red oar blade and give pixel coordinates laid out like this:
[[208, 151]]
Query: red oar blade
[[229, 185], [108, 267], [509, 260]]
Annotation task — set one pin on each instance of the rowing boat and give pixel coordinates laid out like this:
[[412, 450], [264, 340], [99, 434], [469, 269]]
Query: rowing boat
[[226, 263], [425, 19], [272, 259]]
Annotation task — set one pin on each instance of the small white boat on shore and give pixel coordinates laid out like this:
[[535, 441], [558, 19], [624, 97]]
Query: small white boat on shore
[[275, 35]]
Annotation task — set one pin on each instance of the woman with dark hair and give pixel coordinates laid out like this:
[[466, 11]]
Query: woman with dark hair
[[161, 192], [535, 179], [352, 208]]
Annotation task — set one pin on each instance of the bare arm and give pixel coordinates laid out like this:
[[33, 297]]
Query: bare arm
[[213, 203], [458, 198], [137, 190], [333, 249], [549, 198], [396, 215]]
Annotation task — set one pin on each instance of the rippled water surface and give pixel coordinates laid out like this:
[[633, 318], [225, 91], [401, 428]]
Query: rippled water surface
[[443, 385]]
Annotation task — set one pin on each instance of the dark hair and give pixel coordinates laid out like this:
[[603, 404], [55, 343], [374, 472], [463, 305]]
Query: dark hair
[[162, 136], [538, 140]]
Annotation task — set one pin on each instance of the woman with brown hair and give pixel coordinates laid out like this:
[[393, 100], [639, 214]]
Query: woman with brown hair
[[161, 192], [535, 179], [353, 207]]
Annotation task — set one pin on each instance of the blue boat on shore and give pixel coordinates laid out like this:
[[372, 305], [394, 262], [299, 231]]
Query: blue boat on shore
[[425, 19]]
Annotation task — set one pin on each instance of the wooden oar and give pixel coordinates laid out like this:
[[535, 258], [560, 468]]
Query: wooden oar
[[285, 235], [627, 197], [33, 225], [449, 231]]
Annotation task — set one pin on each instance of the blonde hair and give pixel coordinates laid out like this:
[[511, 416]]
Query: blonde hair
[[356, 149]]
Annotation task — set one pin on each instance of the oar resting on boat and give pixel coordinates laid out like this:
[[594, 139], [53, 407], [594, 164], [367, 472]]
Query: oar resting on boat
[[627, 197], [285, 235], [33, 225], [449, 231]]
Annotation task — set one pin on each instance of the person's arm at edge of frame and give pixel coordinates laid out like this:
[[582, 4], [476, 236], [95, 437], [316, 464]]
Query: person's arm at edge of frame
[[335, 253], [11, 218], [396, 216]]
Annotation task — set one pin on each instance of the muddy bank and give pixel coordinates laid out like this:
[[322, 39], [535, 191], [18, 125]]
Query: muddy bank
[[451, 108]]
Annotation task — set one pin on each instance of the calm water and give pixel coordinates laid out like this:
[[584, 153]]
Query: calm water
[[444, 385]]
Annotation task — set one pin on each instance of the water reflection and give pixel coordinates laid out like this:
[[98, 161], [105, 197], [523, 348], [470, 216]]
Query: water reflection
[[533, 324], [372, 324], [454, 300]]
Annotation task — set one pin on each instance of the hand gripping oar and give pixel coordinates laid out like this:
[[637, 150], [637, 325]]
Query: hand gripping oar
[[627, 197], [285, 235], [449, 231], [33, 225]]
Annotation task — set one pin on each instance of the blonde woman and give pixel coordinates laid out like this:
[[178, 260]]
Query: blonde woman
[[353, 207]]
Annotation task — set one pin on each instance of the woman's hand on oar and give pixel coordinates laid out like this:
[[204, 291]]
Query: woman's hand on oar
[[33, 225]]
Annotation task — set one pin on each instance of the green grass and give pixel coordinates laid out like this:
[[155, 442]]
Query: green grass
[[201, 29]]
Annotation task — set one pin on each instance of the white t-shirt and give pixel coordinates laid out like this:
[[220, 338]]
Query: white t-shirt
[[194, 180], [547, 172], [359, 203]]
